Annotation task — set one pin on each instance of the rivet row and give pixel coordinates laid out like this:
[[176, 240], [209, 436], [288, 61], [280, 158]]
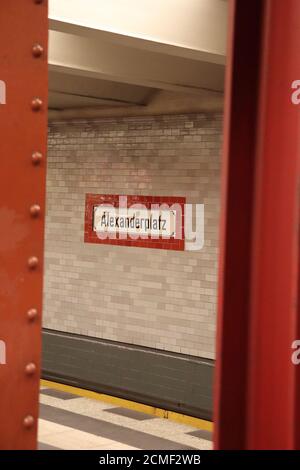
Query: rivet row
[[35, 210]]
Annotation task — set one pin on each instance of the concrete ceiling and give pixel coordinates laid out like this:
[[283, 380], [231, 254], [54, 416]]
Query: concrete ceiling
[[119, 53]]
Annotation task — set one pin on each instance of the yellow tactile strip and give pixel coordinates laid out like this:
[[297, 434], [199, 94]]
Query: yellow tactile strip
[[158, 412]]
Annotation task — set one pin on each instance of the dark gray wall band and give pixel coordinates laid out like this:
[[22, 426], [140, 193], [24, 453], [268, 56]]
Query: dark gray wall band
[[166, 380]]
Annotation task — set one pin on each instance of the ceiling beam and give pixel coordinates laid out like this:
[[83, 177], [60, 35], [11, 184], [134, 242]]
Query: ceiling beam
[[108, 61], [162, 102]]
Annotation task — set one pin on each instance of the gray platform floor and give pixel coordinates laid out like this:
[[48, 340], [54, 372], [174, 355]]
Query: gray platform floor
[[75, 423]]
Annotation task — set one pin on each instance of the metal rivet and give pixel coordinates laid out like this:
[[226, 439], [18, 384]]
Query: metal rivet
[[30, 368], [35, 210], [36, 158], [28, 421], [37, 50], [33, 262], [36, 104], [32, 314]]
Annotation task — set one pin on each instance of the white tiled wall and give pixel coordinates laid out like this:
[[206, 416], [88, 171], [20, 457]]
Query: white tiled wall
[[156, 298]]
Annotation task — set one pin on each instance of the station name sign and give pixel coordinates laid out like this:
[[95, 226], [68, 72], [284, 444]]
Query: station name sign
[[135, 221], [144, 221]]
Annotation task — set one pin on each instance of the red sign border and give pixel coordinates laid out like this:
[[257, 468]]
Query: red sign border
[[164, 244]]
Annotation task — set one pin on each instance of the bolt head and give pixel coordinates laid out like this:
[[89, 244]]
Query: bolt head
[[28, 422], [33, 262], [36, 158], [37, 50], [35, 210], [36, 104], [30, 368], [32, 314]]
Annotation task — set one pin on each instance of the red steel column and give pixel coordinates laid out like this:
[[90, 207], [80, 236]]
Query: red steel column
[[23, 125], [256, 382]]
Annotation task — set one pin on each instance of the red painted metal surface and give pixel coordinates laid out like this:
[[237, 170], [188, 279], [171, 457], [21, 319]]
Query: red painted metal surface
[[256, 382], [92, 200], [23, 124]]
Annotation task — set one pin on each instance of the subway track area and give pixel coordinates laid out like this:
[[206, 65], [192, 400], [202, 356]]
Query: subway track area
[[69, 421]]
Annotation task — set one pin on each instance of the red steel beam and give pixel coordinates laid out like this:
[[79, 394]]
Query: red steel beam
[[256, 382], [23, 124]]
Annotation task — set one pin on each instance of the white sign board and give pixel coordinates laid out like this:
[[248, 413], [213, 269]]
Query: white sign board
[[132, 221]]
